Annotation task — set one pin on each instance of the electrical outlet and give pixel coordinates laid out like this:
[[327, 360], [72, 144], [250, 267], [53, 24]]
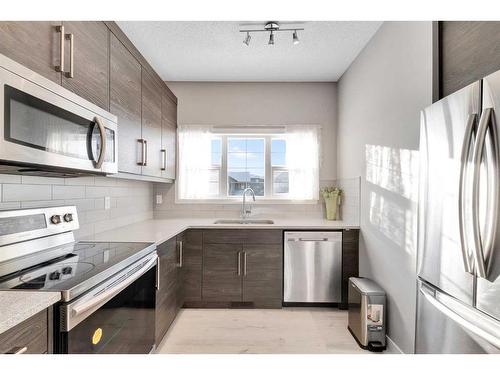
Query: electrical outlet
[[107, 203], [159, 199]]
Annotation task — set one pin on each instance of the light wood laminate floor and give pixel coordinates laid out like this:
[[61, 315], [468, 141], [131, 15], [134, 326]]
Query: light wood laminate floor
[[289, 330]]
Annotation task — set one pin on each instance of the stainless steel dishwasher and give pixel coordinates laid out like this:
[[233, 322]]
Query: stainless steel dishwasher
[[313, 267]]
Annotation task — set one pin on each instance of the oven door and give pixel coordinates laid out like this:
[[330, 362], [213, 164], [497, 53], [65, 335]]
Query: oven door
[[117, 317], [44, 125]]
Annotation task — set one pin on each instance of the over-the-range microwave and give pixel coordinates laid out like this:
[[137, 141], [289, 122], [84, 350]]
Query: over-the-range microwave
[[47, 130]]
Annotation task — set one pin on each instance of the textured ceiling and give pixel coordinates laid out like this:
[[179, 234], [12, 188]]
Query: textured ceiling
[[214, 51]]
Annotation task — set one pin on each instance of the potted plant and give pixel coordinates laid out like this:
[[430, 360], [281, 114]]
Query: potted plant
[[332, 196]]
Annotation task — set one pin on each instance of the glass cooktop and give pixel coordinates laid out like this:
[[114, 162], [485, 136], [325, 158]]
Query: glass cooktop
[[83, 265]]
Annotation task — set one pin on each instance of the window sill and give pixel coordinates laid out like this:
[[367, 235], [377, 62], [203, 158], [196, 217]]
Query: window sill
[[238, 201]]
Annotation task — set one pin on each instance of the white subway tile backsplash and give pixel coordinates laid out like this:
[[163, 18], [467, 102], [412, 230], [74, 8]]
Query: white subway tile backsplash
[[68, 192], [19, 192], [131, 201], [42, 180]]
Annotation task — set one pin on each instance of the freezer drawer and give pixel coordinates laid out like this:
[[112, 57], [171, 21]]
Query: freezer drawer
[[313, 267], [446, 325]]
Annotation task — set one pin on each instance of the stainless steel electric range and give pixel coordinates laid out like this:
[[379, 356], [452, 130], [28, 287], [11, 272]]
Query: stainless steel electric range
[[107, 289]]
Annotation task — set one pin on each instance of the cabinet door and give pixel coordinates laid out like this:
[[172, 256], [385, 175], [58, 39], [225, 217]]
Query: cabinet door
[[221, 272], [151, 124], [181, 269], [263, 275], [169, 136], [192, 253], [36, 45], [31, 334], [125, 103], [350, 261], [166, 295], [90, 71]]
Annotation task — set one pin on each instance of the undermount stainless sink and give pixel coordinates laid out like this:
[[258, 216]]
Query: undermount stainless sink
[[244, 221]]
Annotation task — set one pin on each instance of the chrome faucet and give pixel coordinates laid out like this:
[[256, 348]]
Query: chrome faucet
[[246, 211]]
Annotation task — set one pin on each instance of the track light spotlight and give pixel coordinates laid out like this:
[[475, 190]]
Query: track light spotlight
[[247, 39], [295, 37]]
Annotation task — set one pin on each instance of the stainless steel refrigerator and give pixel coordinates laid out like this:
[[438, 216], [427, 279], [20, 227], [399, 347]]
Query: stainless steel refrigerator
[[458, 262]]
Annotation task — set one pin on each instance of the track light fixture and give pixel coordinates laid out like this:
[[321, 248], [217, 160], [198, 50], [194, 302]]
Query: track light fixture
[[271, 27]]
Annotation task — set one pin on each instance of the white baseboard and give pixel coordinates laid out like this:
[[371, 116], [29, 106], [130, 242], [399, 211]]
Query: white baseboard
[[392, 348]]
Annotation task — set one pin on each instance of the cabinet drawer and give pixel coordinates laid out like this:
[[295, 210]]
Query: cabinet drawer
[[32, 334], [242, 236]]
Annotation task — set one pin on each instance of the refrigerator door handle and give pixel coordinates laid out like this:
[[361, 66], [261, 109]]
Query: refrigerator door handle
[[464, 160], [477, 156], [485, 328]]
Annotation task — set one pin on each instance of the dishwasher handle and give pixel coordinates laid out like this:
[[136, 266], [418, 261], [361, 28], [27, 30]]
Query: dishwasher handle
[[310, 239]]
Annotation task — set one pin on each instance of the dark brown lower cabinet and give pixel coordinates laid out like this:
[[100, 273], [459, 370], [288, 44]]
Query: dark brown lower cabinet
[[242, 268], [222, 272], [262, 275], [350, 261], [192, 256], [167, 294], [30, 336]]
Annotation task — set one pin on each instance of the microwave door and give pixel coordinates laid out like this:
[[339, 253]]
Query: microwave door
[[487, 200], [446, 139], [46, 127]]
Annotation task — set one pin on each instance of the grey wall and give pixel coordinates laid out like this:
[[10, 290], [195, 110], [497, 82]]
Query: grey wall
[[130, 201], [380, 97]]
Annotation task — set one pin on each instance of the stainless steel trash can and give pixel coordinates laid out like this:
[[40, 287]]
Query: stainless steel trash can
[[367, 313]]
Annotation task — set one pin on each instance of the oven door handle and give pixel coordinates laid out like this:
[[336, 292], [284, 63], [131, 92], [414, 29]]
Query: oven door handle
[[108, 294]]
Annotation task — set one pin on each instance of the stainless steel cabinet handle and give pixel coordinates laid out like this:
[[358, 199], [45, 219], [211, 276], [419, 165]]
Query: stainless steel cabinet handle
[[60, 67], [464, 160], [17, 350], [239, 262], [164, 160], [244, 263], [71, 73], [477, 156], [181, 254], [102, 132], [143, 152], [158, 273]]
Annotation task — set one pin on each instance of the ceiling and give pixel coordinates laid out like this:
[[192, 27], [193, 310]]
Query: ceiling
[[214, 51]]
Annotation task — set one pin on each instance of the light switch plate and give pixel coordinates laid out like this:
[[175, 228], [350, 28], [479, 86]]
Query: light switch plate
[[159, 199], [107, 203]]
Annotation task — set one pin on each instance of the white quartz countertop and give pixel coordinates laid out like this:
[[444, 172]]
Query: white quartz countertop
[[161, 230], [17, 306]]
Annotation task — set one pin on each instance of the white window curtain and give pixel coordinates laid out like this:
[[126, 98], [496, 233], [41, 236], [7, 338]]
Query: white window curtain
[[194, 161], [302, 159]]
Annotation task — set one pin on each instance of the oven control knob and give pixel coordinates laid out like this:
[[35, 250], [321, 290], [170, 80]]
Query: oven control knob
[[68, 217], [56, 275], [67, 270], [55, 219]]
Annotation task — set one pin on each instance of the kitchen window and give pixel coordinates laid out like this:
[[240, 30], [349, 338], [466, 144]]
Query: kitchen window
[[216, 165]]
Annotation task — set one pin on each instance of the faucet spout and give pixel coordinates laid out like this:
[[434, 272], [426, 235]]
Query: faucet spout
[[246, 211]]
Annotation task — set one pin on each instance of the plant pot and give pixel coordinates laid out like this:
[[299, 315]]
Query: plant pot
[[331, 204]]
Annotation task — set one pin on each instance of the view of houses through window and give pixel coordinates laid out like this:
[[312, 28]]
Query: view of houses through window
[[242, 161]]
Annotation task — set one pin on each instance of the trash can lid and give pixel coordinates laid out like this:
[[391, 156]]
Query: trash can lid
[[367, 286]]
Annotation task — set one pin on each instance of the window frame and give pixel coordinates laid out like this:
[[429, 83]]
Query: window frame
[[269, 196]]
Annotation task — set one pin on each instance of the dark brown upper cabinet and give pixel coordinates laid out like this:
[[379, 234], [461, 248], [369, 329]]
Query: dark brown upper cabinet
[[125, 103], [86, 70], [36, 45], [468, 51], [151, 126], [168, 136]]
